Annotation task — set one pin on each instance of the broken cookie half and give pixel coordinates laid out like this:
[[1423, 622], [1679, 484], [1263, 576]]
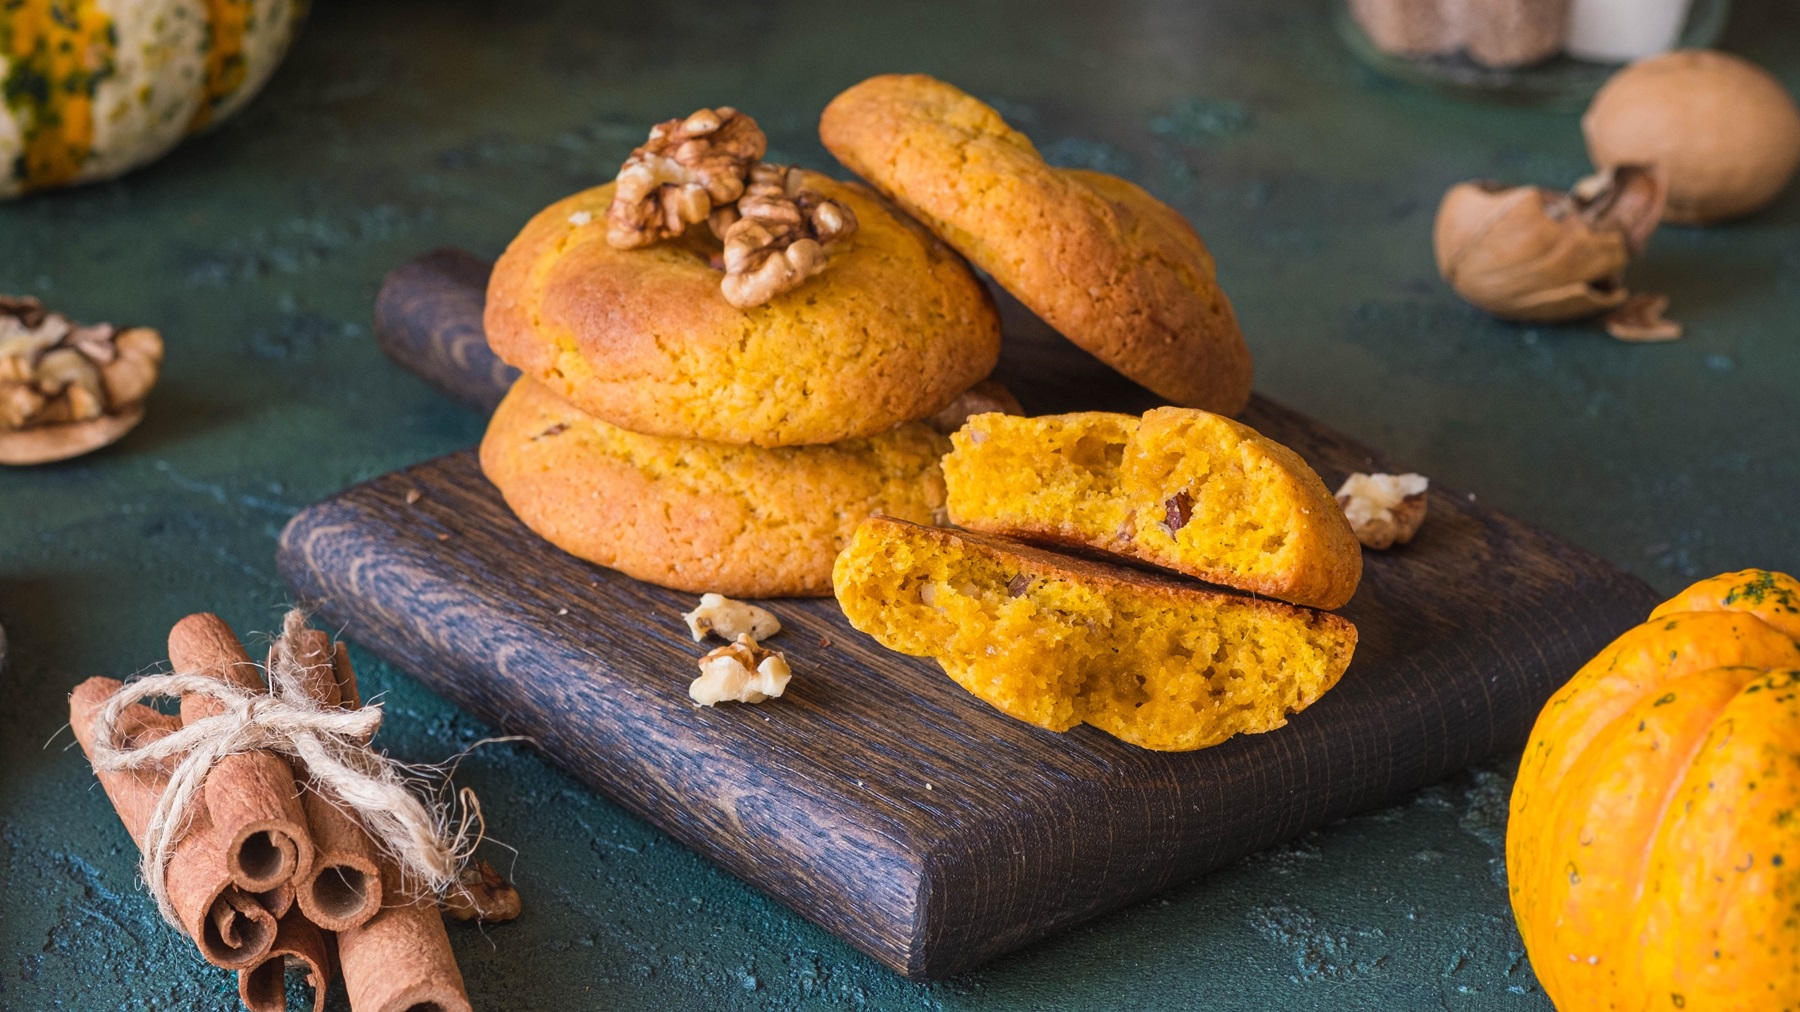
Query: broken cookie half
[[1179, 488]]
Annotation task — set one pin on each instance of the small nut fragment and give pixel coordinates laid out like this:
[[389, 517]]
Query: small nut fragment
[[1384, 509], [780, 237], [729, 619], [67, 389], [482, 894], [743, 672], [1641, 319], [1177, 511], [677, 177], [982, 398], [1535, 255]]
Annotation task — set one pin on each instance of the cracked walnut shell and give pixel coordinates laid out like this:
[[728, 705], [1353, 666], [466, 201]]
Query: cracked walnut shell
[[1534, 255], [679, 176], [67, 389]]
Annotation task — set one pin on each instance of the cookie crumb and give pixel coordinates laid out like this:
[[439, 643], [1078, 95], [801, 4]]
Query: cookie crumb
[[413, 495], [443, 536]]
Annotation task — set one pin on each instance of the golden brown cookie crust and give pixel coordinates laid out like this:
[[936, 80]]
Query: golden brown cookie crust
[[1109, 266], [702, 517], [892, 331]]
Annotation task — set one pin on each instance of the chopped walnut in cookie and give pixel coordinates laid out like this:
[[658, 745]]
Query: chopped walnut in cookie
[[66, 389], [1384, 509], [743, 672], [729, 619], [780, 236], [678, 177]]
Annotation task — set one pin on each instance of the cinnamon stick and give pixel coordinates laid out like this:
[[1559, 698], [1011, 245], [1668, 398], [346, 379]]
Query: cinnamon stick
[[231, 927], [400, 961], [343, 888], [298, 943], [252, 793]]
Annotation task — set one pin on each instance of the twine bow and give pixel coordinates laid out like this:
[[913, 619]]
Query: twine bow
[[429, 845]]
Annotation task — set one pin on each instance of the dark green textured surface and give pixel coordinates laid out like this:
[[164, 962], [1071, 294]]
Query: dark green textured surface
[[400, 126]]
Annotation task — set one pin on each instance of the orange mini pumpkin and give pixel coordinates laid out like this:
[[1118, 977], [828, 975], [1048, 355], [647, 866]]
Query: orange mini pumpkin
[[1654, 846]]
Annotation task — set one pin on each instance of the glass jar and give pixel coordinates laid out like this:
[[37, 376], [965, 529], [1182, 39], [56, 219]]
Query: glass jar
[[1539, 52]]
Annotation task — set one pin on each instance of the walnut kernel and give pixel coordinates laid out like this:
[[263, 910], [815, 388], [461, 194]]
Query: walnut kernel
[[677, 177], [729, 619], [743, 672], [1384, 509], [780, 236], [67, 389]]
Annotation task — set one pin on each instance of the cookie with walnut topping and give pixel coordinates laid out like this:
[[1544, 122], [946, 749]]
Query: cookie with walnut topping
[[892, 330], [1109, 266], [703, 517]]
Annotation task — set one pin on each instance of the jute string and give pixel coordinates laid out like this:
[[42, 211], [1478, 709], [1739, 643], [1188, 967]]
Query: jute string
[[425, 840]]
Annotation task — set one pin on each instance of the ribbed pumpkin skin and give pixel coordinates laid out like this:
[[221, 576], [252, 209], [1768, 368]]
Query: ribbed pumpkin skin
[[1653, 851], [90, 89]]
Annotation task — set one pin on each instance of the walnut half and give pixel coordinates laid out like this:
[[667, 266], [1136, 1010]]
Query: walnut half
[[675, 179], [66, 389], [780, 236], [743, 672], [1384, 509], [728, 619]]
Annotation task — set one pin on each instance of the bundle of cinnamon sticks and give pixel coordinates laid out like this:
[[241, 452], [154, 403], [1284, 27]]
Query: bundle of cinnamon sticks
[[270, 873]]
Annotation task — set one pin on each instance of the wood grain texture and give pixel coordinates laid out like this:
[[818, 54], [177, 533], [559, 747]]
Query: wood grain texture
[[428, 319], [879, 799]]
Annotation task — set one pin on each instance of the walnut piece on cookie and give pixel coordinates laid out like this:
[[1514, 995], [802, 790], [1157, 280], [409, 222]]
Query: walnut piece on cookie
[[744, 672], [728, 619], [779, 236], [677, 177], [66, 389], [1384, 509]]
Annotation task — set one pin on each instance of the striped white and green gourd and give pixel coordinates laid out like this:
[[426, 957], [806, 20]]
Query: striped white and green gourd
[[90, 89]]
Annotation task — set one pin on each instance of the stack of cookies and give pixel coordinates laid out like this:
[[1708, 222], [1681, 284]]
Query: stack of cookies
[[728, 364], [667, 432]]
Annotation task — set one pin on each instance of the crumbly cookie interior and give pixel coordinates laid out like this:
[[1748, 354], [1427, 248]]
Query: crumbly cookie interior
[[1166, 671], [1183, 489]]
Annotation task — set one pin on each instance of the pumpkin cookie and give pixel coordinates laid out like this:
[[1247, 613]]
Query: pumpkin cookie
[[696, 516], [1111, 267], [1058, 641], [1178, 488], [893, 329]]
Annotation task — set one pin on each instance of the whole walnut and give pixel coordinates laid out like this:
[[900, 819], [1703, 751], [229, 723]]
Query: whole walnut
[[1724, 132]]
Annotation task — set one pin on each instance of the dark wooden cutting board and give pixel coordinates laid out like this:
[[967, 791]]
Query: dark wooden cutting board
[[877, 798]]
